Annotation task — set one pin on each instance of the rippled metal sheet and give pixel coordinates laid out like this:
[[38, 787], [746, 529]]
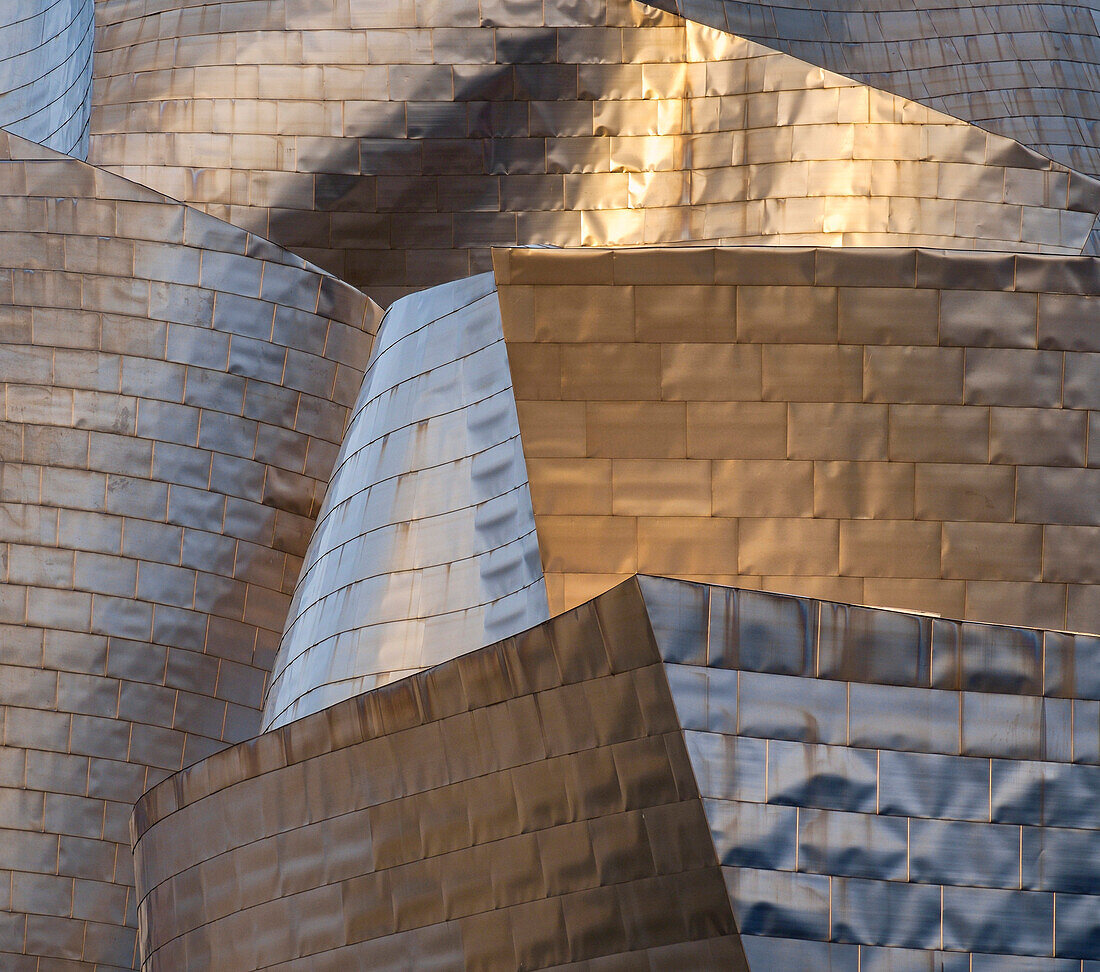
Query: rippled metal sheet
[[425, 547], [867, 821], [1026, 70], [46, 71], [393, 142], [528, 805], [898, 427], [174, 392], [647, 441], [575, 793]]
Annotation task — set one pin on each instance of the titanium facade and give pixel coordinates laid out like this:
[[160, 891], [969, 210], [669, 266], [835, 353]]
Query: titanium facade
[[393, 142], [899, 427], [174, 392], [889, 790], [640, 745], [46, 72], [677, 774], [426, 545], [1025, 70], [525, 806], [910, 428]]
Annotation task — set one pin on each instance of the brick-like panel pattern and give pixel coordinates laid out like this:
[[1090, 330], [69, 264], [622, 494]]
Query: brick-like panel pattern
[[46, 72], [528, 805], [425, 547], [394, 141], [899, 427], [1022, 69], [890, 790], [174, 393]]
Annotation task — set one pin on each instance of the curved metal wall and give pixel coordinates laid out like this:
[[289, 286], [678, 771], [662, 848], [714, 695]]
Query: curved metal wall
[[878, 790], [518, 808], [393, 142], [1030, 71], [425, 547], [46, 71], [909, 428], [174, 392]]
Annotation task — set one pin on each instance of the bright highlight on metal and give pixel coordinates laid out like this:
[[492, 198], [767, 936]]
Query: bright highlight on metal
[[393, 142], [333, 620]]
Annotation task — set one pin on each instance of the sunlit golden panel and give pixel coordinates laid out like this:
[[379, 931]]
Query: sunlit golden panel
[[894, 427], [1025, 70], [394, 142]]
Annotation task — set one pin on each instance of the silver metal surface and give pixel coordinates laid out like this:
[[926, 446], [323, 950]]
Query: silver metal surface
[[979, 840], [425, 547], [46, 71], [393, 142], [174, 390]]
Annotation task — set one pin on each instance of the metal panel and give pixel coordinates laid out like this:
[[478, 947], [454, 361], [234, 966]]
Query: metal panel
[[46, 72], [147, 558], [904, 846], [865, 484], [425, 547], [569, 849], [344, 133], [1012, 68]]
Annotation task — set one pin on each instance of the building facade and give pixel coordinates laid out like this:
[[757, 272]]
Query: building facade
[[695, 567]]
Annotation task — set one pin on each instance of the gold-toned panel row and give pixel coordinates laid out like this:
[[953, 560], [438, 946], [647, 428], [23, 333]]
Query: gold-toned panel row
[[908, 428], [1025, 70], [394, 145]]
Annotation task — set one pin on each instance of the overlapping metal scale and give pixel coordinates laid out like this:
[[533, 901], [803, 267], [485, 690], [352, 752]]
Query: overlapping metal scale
[[394, 141], [46, 71], [1025, 70], [425, 547], [888, 790], [875, 789], [174, 392]]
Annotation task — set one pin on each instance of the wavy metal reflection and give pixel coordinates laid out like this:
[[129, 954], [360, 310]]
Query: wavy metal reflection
[[174, 391], [425, 547], [1025, 70], [393, 142], [46, 72], [895, 782]]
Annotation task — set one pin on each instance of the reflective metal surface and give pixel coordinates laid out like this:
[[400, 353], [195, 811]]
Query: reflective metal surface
[[899, 427], [1025, 70], [46, 71], [174, 392], [425, 547], [529, 805], [871, 813], [575, 792], [637, 781], [393, 142]]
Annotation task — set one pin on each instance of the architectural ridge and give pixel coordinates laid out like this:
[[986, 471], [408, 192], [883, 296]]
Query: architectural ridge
[[696, 567]]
